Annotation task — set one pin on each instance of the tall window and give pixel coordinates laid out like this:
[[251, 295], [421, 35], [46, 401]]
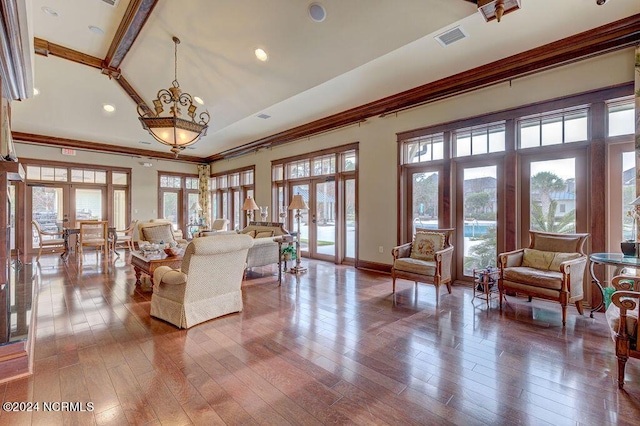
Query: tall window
[[176, 191], [228, 192]]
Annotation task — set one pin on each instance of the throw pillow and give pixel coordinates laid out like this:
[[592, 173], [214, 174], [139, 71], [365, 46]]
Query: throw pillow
[[537, 259], [251, 233], [426, 244], [263, 234], [156, 234], [561, 257]]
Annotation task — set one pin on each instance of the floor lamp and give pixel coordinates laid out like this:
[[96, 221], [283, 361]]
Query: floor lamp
[[249, 206], [298, 204]]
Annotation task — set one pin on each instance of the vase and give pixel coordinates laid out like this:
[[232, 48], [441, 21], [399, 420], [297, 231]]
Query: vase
[[629, 248]]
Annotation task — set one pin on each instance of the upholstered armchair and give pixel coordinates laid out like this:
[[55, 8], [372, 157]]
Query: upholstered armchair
[[158, 230], [622, 317], [551, 268], [426, 259], [207, 285], [220, 225]]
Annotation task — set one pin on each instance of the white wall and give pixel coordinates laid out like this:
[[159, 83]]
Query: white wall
[[378, 152], [144, 180], [377, 137]]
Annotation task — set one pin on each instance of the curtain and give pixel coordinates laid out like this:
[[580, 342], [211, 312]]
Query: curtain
[[203, 191]]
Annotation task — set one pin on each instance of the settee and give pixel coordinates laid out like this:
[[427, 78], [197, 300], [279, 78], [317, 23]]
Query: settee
[[265, 250]]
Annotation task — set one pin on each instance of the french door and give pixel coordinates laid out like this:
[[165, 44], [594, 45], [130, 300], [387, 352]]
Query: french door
[[49, 206], [318, 230]]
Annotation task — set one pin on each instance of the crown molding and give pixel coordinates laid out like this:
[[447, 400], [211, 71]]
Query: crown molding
[[100, 147]]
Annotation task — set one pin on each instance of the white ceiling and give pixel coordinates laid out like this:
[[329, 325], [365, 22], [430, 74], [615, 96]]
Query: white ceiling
[[363, 51]]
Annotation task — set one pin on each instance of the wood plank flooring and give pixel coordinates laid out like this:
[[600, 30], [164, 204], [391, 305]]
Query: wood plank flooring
[[332, 347]]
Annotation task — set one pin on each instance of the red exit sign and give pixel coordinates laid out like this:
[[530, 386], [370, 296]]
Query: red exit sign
[[68, 151]]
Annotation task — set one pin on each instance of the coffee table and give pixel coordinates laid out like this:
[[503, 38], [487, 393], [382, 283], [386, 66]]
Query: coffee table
[[149, 262]]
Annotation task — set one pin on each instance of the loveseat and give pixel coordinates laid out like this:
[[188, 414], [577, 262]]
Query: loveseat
[[265, 250]]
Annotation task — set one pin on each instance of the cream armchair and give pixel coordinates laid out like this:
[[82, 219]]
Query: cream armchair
[[207, 286], [157, 230], [426, 259], [551, 268]]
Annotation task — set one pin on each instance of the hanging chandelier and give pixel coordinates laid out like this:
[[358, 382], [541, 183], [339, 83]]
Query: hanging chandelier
[[171, 130]]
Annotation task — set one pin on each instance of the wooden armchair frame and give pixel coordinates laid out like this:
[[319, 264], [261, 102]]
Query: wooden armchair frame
[[443, 262], [57, 239]]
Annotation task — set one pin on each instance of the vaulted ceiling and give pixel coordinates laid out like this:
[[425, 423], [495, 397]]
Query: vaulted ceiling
[[364, 51]]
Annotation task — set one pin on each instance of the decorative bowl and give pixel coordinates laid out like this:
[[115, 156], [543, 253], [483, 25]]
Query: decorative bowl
[[172, 251], [628, 248]]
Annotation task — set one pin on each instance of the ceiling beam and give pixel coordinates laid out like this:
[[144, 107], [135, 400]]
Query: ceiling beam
[[94, 146], [132, 22], [46, 48], [607, 38]]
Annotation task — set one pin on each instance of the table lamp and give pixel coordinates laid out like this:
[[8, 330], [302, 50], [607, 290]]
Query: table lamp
[[249, 206], [297, 204]]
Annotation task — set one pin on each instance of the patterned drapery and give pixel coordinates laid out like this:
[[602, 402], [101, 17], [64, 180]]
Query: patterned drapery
[[637, 109], [203, 191]]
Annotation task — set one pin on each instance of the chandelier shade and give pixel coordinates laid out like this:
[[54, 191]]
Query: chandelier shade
[[171, 130]]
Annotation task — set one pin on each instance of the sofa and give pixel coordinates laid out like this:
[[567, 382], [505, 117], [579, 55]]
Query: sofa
[[207, 285], [264, 250]]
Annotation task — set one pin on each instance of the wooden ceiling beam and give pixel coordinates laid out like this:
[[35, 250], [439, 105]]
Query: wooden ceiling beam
[[94, 146], [46, 48], [607, 38], [132, 22]]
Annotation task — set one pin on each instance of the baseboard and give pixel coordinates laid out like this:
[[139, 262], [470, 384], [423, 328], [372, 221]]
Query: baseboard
[[374, 266]]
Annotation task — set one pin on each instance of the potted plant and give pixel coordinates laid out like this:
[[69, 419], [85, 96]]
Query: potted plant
[[288, 252]]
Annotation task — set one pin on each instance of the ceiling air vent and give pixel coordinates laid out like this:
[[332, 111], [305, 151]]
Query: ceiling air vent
[[112, 3], [451, 36]]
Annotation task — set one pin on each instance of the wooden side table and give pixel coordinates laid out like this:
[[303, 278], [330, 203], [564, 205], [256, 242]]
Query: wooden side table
[[148, 262]]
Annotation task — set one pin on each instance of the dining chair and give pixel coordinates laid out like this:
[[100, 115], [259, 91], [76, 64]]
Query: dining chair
[[125, 237], [49, 239], [93, 233]]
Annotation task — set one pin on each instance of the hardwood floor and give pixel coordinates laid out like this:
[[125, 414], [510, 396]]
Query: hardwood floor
[[332, 348]]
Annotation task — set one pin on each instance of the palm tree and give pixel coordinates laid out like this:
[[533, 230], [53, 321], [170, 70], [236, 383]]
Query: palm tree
[[548, 222], [544, 183]]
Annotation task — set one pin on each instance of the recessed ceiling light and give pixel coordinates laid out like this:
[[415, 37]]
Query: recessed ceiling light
[[36, 92], [261, 55], [108, 108], [317, 12], [96, 30], [49, 11], [198, 100]]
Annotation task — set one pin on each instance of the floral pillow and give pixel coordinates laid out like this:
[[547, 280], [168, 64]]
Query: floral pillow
[[426, 244]]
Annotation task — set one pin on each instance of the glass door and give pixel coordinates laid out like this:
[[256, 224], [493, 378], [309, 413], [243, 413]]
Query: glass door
[[323, 219], [88, 204], [424, 200], [318, 224], [479, 219], [169, 209], [49, 207]]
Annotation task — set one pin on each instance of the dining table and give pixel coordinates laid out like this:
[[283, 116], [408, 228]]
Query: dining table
[[68, 232]]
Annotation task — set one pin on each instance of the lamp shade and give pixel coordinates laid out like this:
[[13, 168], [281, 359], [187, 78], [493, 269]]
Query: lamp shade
[[635, 202], [298, 203], [249, 204], [196, 206]]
